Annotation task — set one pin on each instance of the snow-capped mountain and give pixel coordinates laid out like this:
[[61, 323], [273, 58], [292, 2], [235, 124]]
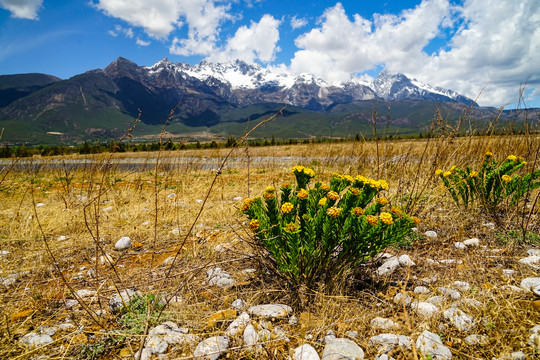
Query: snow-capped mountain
[[249, 83]]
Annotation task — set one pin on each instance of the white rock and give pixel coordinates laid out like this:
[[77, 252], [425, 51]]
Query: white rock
[[424, 308], [460, 246], [168, 261], [280, 334], [67, 326], [477, 340], [220, 278], [176, 231], [71, 303], [172, 335], [400, 298], [211, 348], [508, 272], [62, 238], [238, 304], [265, 335], [431, 234], [38, 205], [48, 330], [123, 243], [305, 352], [387, 342], [472, 242], [532, 261], [421, 290], [270, 311], [533, 252], [430, 344], [238, 325], [171, 196], [119, 299], [459, 319], [250, 335], [144, 355], [471, 303], [512, 288], [380, 323], [518, 355], [415, 229], [453, 294], [534, 337], [436, 300], [489, 225], [293, 320], [430, 280], [405, 260], [450, 261], [106, 259], [462, 285], [342, 349], [85, 293], [237, 198], [388, 267], [383, 357], [34, 340], [156, 345], [532, 284], [353, 334]]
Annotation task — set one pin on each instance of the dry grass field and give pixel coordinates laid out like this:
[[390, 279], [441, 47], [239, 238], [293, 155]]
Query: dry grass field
[[59, 225]]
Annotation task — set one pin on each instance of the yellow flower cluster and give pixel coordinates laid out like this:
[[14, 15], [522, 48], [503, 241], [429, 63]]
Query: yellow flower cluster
[[246, 204], [322, 202], [302, 194], [333, 212], [305, 170], [332, 195], [416, 220], [489, 154], [382, 201], [506, 178], [447, 174], [355, 191], [291, 227], [287, 208], [358, 211], [348, 178], [395, 210], [269, 195], [473, 174], [270, 189], [324, 187], [438, 172], [372, 220], [512, 158], [386, 218], [375, 184], [254, 224]]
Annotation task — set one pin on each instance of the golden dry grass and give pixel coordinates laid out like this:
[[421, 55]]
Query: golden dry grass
[[100, 204]]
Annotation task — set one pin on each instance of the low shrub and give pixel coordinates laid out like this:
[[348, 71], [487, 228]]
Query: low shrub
[[321, 233]]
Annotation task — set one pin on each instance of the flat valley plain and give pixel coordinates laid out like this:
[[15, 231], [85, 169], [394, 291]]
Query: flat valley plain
[[59, 224]]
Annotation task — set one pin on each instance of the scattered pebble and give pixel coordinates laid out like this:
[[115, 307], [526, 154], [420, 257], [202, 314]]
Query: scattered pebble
[[462, 285], [238, 325], [34, 340], [380, 323], [533, 252], [430, 234], [220, 278], [459, 319], [508, 272], [400, 298], [388, 267], [342, 348], [430, 344], [211, 348], [119, 299], [305, 352], [250, 336], [387, 342], [405, 260], [532, 284], [477, 340], [270, 311], [472, 242], [424, 309], [453, 294], [421, 290], [238, 304], [532, 261], [460, 246], [123, 244]]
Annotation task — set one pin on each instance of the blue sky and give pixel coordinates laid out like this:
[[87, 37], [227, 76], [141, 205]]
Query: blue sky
[[463, 45]]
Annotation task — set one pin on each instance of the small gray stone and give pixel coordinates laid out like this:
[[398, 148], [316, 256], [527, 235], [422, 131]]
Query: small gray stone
[[430, 280], [388, 267], [421, 290], [280, 334], [472, 242], [124, 297], [534, 337], [532, 261], [424, 309], [123, 244], [305, 352], [477, 340], [220, 278], [400, 298], [383, 357], [168, 261], [533, 252], [453, 294], [238, 324], [85, 293], [508, 272], [250, 336], [430, 344], [460, 246], [156, 345], [531, 284], [265, 334], [405, 260], [330, 335], [293, 320], [342, 349], [518, 355], [211, 348], [459, 319], [34, 340], [380, 323], [430, 234], [471, 303], [462, 285], [387, 342], [353, 334], [146, 354], [238, 304], [436, 300], [270, 311]]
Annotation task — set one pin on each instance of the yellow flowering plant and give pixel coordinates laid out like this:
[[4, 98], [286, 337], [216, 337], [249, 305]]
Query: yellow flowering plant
[[492, 184], [320, 232]]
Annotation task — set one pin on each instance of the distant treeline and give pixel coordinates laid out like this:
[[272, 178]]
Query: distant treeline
[[7, 151]]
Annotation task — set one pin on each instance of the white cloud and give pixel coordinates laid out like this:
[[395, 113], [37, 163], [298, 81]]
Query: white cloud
[[120, 30], [492, 42], [142, 42], [24, 9], [256, 42], [159, 18], [298, 23]]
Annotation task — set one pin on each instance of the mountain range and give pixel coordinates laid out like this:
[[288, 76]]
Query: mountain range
[[209, 100]]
